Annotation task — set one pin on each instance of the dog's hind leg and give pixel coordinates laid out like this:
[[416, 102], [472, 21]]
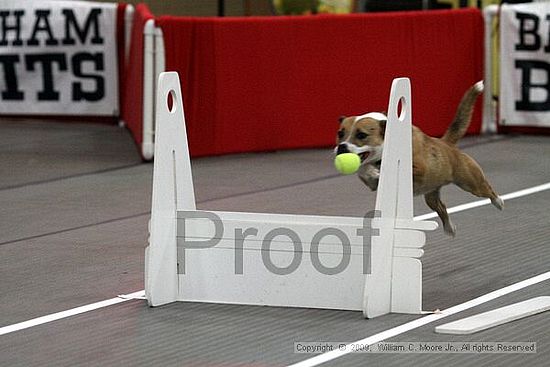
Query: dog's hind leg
[[433, 199], [470, 178]]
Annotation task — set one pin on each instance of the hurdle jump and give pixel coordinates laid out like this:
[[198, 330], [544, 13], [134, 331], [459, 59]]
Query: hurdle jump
[[281, 259]]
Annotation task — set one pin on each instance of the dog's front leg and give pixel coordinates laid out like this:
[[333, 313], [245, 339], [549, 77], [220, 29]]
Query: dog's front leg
[[370, 175]]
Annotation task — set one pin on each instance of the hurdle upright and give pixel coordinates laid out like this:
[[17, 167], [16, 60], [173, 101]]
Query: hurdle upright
[[350, 263]]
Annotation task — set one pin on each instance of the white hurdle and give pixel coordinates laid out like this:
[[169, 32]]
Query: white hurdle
[[281, 259]]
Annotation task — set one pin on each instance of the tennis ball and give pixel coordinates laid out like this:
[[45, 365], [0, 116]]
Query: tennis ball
[[347, 163]]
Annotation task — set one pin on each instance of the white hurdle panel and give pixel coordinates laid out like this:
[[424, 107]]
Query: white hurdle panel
[[348, 263]]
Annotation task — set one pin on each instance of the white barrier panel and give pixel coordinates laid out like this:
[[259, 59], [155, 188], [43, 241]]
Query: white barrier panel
[[366, 264], [153, 65], [489, 123]]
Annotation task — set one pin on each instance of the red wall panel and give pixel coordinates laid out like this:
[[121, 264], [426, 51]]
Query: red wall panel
[[269, 83]]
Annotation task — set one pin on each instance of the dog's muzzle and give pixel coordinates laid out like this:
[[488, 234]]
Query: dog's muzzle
[[342, 148], [363, 152]]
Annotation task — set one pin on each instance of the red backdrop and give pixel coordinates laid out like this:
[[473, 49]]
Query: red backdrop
[[268, 83]]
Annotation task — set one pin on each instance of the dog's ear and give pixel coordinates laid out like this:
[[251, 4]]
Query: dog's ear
[[341, 119], [382, 125]]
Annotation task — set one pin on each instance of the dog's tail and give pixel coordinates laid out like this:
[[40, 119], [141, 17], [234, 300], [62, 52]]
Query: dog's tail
[[460, 123]]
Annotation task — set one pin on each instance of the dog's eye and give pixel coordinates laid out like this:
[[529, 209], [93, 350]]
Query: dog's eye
[[361, 135], [341, 134]]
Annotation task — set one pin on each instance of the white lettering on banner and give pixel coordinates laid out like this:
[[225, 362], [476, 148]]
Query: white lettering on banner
[[58, 57], [525, 65]]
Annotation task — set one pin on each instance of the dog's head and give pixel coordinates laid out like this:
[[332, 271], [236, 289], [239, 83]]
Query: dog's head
[[363, 135]]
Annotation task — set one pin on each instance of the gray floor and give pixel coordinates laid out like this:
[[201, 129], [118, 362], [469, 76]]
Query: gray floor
[[75, 206]]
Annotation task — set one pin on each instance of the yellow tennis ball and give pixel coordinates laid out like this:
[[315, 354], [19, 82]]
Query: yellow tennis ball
[[347, 163]]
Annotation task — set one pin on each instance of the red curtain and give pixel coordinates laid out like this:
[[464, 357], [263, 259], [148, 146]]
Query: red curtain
[[269, 83]]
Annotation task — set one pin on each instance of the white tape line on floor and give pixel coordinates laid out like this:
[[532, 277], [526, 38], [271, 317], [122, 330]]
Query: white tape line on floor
[[68, 313]]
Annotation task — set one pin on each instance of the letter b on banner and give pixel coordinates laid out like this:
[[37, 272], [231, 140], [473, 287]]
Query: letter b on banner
[[532, 86]]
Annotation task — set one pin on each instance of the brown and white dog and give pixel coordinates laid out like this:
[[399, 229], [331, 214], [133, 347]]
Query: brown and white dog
[[436, 162]]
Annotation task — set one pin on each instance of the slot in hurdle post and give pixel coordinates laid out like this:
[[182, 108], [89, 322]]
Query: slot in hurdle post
[[282, 259]]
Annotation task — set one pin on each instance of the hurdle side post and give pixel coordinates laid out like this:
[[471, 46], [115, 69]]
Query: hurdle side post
[[172, 191], [395, 282]]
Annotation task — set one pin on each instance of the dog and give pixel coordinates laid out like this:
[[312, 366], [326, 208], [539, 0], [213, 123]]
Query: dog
[[436, 162]]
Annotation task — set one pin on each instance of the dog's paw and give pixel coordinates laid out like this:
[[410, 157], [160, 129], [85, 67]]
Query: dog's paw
[[370, 171], [498, 203], [450, 229]]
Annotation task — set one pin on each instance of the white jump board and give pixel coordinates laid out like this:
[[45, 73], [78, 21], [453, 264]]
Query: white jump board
[[284, 260], [305, 286], [486, 320]]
